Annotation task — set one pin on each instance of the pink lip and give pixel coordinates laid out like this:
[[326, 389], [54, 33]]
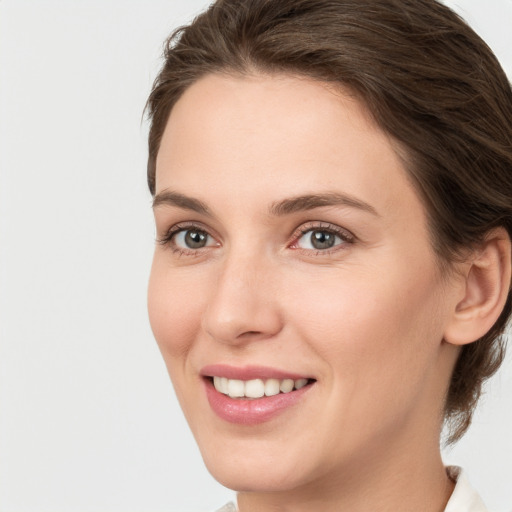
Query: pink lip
[[248, 372], [249, 411]]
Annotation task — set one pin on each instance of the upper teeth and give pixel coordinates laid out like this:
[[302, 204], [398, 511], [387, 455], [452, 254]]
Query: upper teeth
[[256, 388]]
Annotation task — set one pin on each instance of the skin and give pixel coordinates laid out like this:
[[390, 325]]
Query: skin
[[367, 318]]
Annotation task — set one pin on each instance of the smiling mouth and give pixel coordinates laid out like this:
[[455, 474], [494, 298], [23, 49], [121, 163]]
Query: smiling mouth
[[257, 388], [252, 395]]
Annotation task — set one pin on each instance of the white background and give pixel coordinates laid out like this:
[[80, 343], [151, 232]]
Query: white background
[[88, 420]]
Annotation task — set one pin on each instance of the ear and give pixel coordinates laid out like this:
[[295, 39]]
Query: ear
[[486, 284]]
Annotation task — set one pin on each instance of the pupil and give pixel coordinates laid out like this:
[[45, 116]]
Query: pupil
[[322, 239], [195, 239]]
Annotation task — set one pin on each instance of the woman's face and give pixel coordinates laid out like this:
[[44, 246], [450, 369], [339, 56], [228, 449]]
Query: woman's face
[[294, 247]]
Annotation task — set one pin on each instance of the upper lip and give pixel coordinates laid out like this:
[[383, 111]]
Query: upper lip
[[249, 372]]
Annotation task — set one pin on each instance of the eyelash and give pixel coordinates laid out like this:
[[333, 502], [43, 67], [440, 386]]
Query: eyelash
[[343, 234]]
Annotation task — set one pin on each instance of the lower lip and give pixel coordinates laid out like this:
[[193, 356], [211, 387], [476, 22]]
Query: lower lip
[[251, 411]]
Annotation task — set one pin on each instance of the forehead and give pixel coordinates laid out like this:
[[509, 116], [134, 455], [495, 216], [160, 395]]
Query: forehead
[[290, 104], [264, 136]]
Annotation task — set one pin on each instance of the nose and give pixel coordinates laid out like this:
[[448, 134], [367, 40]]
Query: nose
[[244, 303]]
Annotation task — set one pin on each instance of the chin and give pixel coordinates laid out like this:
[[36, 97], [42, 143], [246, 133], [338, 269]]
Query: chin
[[254, 470], [254, 478]]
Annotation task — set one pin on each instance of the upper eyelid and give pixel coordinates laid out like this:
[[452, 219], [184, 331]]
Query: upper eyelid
[[327, 226], [185, 225]]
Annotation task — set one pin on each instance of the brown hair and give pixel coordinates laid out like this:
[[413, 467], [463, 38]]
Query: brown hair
[[428, 80]]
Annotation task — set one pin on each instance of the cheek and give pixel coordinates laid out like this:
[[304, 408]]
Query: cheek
[[379, 339], [371, 326], [174, 307]]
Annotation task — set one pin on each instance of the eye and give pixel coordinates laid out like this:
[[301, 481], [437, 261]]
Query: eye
[[321, 238], [192, 239], [318, 239], [187, 239]]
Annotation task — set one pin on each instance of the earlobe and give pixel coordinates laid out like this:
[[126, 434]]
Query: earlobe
[[486, 287]]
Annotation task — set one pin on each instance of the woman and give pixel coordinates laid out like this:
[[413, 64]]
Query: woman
[[333, 203]]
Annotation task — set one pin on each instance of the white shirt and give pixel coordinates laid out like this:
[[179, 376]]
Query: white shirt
[[463, 499]]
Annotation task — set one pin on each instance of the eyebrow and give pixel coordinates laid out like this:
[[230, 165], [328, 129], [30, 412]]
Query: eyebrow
[[311, 201], [170, 198], [279, 208]]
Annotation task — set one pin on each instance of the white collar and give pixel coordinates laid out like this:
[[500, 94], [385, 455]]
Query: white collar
[[464, 498]]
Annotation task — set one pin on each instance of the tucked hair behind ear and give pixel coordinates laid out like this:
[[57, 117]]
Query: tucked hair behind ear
[[429, 81]]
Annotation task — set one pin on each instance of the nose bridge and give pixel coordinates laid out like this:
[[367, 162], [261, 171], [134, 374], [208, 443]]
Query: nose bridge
[[243, 302]]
